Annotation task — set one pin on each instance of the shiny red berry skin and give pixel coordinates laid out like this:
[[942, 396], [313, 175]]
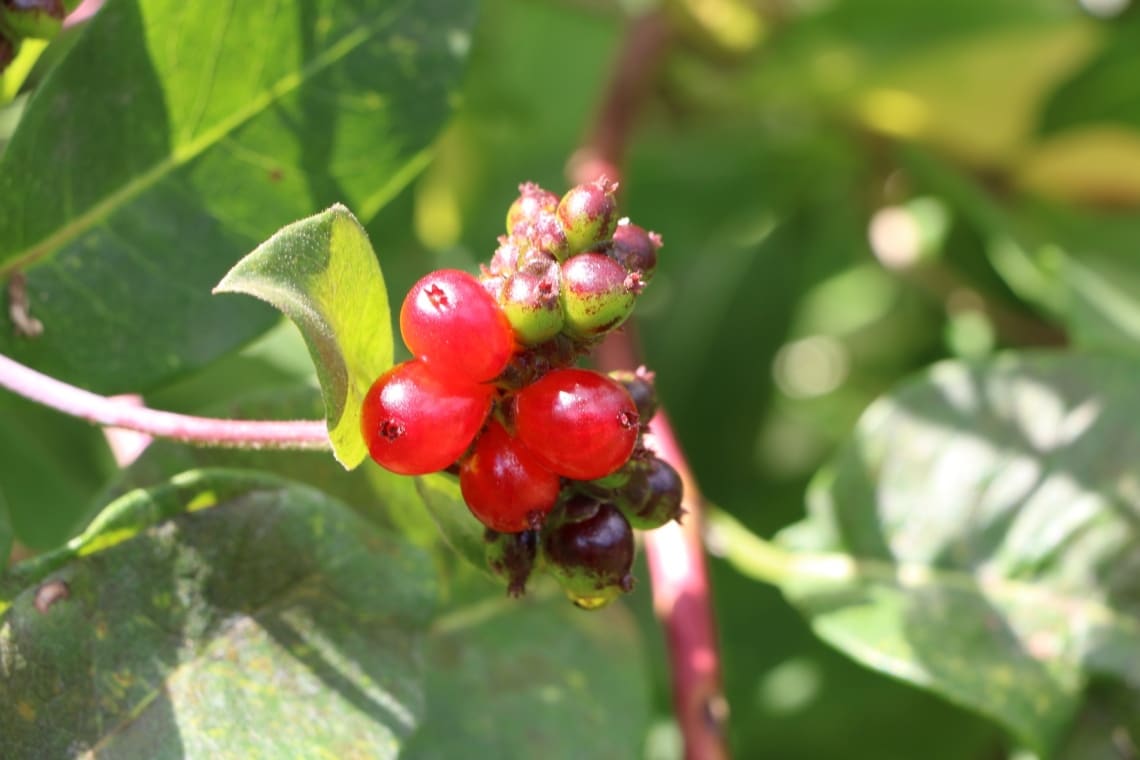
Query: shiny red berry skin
[[450, 321], [415, 422], [580, 424], [504, 484]]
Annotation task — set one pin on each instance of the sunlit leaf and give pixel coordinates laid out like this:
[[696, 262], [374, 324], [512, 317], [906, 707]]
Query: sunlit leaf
[[220, 614], [979, 537], [321, 272], [176, 136]]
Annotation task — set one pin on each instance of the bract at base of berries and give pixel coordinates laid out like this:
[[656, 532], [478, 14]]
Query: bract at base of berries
[[596, 296], [589, 549], [512, 557], [588, 214], [414, 423]]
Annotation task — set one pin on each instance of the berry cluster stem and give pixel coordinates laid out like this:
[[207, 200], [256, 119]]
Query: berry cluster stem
[[203, 431], [677, 567]]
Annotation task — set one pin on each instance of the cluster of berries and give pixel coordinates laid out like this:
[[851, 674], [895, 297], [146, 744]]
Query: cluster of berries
[[549, 456]]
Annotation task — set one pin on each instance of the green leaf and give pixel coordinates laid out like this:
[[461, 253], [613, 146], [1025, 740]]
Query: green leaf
[[321, 272], [175, 137], [508, 676], [459, 528], [5, 531], [275, 623], [51, 467], [978, 537], [1102, 90]]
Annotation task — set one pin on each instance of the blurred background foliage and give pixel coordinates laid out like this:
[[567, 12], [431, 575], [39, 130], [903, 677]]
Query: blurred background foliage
[[848, 190]]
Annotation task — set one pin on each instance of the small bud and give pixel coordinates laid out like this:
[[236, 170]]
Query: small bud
[[505, 260], [545, 233], [525, 210], [36, 19], [588, 547], [640, 386], [588, 214], [595, 298], [635, 249], [531, 304], [511, 557]]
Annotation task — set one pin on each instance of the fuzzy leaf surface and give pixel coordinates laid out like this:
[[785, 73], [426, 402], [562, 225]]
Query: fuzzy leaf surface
[[322, 273]]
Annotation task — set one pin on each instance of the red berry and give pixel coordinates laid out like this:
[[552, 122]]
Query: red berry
[[450, 321], [579, 423], [504, 484], [415, 422]]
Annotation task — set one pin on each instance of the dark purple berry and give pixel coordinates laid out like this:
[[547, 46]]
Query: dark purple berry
[[511, 557], [596, 297], [588, 214], [588, 548], [653, 495], [641, 389], [635, 249]]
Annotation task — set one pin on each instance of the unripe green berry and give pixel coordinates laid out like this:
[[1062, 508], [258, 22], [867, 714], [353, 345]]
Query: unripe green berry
[[531, 304], [524, 211], [35, 19], [635, 249], [511, 557], [588, 214], [597, 294], [588, 548]]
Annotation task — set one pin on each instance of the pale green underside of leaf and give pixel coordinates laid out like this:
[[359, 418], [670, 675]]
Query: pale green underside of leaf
[[176, 136], [273, 623], [322, 273], [458, 527], [979, 537]]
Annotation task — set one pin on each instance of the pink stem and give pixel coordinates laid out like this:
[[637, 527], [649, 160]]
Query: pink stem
[[26, 382], [677, 569]]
